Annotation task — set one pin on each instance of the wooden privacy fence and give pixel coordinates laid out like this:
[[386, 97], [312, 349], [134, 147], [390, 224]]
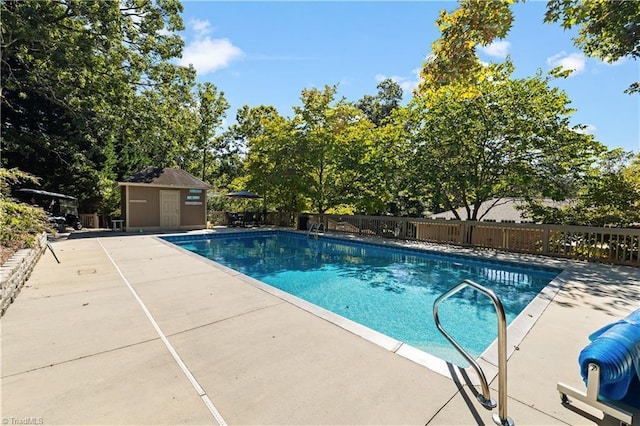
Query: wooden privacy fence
[[607, 245]]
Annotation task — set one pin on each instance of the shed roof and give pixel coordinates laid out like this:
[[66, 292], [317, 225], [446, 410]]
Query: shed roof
[[167, 177]]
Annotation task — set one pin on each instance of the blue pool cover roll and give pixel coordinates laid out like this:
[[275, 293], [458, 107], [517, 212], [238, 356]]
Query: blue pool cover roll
[[615, 348], [632, 318]]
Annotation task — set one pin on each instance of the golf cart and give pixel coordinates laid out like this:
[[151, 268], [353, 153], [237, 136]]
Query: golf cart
[[61, 209]]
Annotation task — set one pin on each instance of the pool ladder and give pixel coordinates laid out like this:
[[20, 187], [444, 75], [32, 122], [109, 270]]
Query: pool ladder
[[316, 226], [501, 417]]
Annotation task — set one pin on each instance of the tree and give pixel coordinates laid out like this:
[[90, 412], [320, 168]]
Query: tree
[[274, 164], [378, 108], [159, 128], [78, 78], [610, 195], [513, 139], [328, 156], [609, 30], [336, 141], [453, 56], [211, 111]]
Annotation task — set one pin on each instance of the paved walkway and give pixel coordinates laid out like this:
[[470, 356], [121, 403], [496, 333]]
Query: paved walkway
[[130, 330]]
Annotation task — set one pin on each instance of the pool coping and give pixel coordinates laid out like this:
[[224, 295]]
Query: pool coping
[[488, 359]]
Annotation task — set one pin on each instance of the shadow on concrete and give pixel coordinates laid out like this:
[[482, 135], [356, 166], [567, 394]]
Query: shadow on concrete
[[608, 293], [466, 390]]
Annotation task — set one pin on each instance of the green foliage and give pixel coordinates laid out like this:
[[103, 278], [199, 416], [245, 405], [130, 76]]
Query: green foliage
[[212, 107], [513, 139], [327, 155], [378, 108], [20, 223], [453, 56], [485, 148], [610, 195], [84, 79], [342, 209], [10, 177], [609, 30], [273, 167], [338, 147]]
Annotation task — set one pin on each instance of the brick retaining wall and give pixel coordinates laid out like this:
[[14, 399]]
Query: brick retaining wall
[[15, 272]]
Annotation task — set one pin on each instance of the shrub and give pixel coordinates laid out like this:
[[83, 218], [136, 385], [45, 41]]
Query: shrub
[[20, 223]]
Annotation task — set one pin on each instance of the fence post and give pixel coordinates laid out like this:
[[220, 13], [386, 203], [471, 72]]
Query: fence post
[[463, 233], [545, 241]]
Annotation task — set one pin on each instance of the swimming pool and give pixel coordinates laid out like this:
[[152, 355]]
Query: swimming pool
[[388, 289]]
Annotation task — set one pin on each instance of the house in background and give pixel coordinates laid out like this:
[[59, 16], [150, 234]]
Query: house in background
[[506, 210], [157, 199]]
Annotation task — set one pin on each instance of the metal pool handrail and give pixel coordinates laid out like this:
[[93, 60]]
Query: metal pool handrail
[[485, 398], [317, 226]]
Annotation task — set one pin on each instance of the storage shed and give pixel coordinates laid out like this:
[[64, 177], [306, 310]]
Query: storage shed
[[157, 199]]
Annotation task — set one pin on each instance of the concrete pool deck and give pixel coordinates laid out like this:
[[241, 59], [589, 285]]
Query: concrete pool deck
[[79, 348]]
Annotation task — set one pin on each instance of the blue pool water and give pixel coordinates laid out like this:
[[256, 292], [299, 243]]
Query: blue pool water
[[390, 290]]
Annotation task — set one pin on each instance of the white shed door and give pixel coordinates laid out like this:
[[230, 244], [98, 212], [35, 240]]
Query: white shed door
[[170, 209]]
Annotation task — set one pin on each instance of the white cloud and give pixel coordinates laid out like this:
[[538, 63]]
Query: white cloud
[[407, 84], [497, 49], [200, 27], [575, 61], [589, 129], [208, 54]]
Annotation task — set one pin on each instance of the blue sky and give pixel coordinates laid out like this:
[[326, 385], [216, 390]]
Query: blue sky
[[266, 53]]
